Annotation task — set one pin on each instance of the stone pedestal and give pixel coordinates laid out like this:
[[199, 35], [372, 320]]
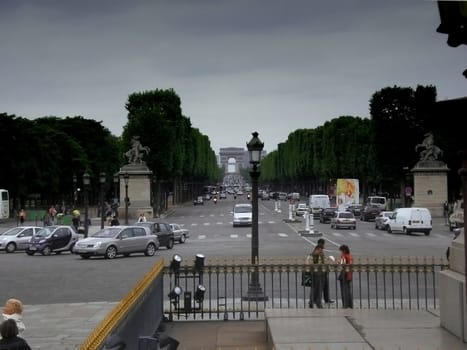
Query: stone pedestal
[[430, 185], [139, 191], [452, 303]]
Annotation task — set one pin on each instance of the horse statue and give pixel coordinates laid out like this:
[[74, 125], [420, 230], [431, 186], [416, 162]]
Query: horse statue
[[135, 153], [431, 151]]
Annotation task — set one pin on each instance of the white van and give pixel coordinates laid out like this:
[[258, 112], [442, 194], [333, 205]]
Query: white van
[[242, 215], [317, 203], [377, 201], [409, 220]]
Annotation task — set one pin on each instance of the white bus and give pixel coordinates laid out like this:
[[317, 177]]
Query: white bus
[[4, 204]]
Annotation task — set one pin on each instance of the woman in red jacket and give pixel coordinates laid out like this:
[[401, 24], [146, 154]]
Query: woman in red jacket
[[345, 277]]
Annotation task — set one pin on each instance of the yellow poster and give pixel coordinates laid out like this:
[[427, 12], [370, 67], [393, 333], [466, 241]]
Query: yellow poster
[[347, 191]]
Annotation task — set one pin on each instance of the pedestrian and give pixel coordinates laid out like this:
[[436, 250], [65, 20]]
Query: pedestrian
[[142, 218], [13, 310], [114, 221], [326, 295], [316, 258], [76, 219], [22, 216], [345, 277], [9, 337], [52, 214]]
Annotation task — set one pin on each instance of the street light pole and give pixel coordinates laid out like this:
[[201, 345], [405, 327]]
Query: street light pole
[[116, 196], [75, 194], [126, 178], [102, 182], [86, 182], [255, 292]]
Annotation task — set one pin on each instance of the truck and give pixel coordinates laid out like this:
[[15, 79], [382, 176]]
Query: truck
[[317, 203]]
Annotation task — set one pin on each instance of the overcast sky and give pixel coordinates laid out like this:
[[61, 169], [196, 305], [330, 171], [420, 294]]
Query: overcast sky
[[238, 65]]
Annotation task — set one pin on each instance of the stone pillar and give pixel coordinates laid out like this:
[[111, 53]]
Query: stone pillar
[[139, 191], [430, 185]]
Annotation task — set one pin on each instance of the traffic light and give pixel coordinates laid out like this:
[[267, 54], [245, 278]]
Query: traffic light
[[453, 15]]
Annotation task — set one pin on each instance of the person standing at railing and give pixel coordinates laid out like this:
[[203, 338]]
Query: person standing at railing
[[345, 277], [317, 282]]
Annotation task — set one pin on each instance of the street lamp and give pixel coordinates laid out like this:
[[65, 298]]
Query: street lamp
[[255, 148], [102, 182], [86, 183], [75, 181], [126, 178], [116, 197]]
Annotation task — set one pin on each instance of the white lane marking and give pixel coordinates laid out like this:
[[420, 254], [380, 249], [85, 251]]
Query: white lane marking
[[233, 236], [211, 215], [221, 215], [371, 234], [201, 237], [271, 222], [194, 224], [219, 223], [283, 235], [354, 234], [248, 235], [207, 224], [201, 216], [337, 234]]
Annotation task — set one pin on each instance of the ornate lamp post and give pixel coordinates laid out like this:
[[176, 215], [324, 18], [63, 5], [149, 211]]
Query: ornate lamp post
[[86, 183], [255, 147], [126, 178], [102, 182], [116, 196]]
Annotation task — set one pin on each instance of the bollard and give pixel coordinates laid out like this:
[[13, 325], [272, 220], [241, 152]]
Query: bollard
[[290, 212], [307, 222]]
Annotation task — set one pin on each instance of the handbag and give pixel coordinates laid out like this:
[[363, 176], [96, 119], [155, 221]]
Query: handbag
[[307, 277]]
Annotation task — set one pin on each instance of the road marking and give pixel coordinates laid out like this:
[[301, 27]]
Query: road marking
[[248, 235], [233, 236], [219, 223], [283, 235], [221, 215], [207, 224], [211, 215], [371, 234], [271, 222], [194, 224], [337, 234], [354, 234], [201, 216], [201, 237]]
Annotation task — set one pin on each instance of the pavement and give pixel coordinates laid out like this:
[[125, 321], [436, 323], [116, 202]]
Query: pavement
[[66, 326]]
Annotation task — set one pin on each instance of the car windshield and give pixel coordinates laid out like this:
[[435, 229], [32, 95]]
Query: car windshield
[[242, 209], [12, 232], [46, 231], [107, 233], [346, 215]]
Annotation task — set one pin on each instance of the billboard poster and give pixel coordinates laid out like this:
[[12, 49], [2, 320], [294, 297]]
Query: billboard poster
[[347, 191]]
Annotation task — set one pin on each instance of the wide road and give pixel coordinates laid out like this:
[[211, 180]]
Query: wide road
[[67, 278]]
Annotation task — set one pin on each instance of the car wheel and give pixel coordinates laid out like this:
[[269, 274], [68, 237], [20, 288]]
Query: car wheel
[[10, 247], [29, 252], [170, 245], [58, 252], [111, 252], [150, 250], [84, 256], [405, 231], [46, 250], [389, 229], [376, 227], [451, 228], [182, 239], [126, 255], [427, 232], [354, 227], [72, 246], [386, 227]]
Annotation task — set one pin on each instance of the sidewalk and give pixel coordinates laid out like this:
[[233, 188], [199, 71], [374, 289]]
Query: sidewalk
[[66, 326]]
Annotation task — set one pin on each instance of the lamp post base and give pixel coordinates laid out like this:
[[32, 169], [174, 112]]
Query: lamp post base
[[255, 293]]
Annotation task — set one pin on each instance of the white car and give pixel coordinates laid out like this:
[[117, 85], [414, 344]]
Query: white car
[[343, 219], [382, 220], [301, 210], [180, 234], [242, 215], [17, 238]]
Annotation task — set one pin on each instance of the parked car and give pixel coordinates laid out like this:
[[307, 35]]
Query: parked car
[[282, 196], [301, 210], [370, 212], [408, 220], [52, 239], [198, 201], [115, 240], [222, 195], [162, 231], [326, 215], [242, 215], [180, 233], [17, 238], [456, 219], [381, 221], [343, 219]]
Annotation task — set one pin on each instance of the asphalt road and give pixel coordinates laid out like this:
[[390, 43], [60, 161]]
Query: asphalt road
[[67, 278]]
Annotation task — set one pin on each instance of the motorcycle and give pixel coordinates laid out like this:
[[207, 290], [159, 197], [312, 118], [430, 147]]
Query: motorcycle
[[215, 200], [248, 196]]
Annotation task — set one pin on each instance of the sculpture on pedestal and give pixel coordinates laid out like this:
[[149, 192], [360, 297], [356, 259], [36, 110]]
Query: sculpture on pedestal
[[430, 150], [136, 152]]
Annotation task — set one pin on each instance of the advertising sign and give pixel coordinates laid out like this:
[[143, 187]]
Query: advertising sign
[[347, 191]]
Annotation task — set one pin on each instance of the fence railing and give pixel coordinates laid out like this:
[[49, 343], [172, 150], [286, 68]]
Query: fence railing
[[234, 289]]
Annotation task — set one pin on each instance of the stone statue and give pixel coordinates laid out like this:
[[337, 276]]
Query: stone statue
[[430, 150], [135, 153]]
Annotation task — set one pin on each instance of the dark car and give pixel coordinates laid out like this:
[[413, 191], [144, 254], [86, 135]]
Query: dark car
[[163, 232], [52, 239], [326, 214], [356, 209], [370, 212]]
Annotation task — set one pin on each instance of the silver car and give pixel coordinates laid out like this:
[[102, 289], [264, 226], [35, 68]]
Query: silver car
[[180, 234], [115, 240], [17, 238]]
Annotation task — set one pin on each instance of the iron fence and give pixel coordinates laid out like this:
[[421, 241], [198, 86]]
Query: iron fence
[[234, 289]]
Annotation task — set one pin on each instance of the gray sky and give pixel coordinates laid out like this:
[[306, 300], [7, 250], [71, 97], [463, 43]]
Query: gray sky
[[238, 65]]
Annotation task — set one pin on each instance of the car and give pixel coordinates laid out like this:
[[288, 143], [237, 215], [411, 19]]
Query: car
[[52, 239], [17, 238], [222, 195], [162, 231], [265, 196], [301, 210], [370, 212], [242, 214], [118, 240], [326, 215], [343, 219], [198, 201], [180, 234], [412, 219], [456, 220], [382, 219], [356, 209], [282, 196]]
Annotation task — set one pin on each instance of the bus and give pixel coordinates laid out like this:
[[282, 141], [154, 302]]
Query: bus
[[4, 204]]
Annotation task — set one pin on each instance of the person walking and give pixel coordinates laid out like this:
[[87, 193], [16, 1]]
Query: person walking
[[142, 218], [316, 259], [345, 277], [22, 216]]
